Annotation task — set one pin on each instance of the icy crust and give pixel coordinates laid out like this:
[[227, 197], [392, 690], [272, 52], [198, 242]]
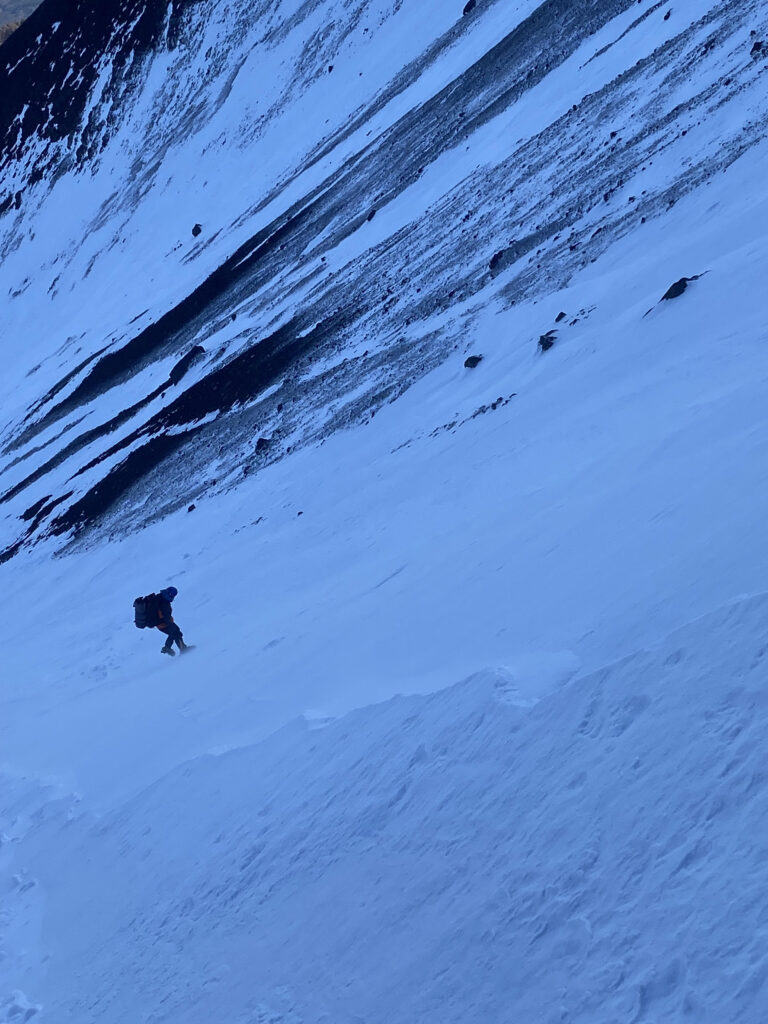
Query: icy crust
[[593, 855], [359, 209]]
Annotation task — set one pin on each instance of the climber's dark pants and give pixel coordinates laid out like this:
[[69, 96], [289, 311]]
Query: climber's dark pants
[[172, 632]]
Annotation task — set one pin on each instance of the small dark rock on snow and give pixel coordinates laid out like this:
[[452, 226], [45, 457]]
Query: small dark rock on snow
[[472, 361], [197, 229], [546, 341], [678, 287], [560, 316]]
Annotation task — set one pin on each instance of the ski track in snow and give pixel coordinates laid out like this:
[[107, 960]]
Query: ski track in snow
[[475, 725]]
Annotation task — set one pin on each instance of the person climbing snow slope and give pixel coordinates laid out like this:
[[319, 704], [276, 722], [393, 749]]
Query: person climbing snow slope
[[154, 610], [166, 624]]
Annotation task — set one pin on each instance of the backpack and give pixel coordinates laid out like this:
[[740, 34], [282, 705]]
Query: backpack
[[145, 612]]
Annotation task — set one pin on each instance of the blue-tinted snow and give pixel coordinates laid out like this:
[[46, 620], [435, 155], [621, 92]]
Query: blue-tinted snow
[[479, 735]]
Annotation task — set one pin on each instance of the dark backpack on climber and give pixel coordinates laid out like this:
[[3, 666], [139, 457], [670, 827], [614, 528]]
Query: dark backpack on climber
[[145, 612]]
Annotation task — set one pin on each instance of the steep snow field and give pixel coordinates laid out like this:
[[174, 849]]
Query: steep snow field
[[474, 729], [356, 171], [572, 831]]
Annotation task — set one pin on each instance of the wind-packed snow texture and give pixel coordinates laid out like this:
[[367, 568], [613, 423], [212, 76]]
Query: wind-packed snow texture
[[474, 729]]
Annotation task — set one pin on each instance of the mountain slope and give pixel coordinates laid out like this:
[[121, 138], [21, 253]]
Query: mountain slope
[[562, 832], [474, 723], [497, 154]]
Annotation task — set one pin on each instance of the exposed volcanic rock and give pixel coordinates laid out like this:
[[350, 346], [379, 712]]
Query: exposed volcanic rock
[[57, 52], [351, 243]]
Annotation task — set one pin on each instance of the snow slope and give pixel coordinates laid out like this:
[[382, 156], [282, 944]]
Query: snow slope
[[444, 161], [597, 856], [475, 723]]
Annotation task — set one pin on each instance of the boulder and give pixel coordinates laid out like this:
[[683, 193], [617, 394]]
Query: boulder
[[546, 341], [677, 289]]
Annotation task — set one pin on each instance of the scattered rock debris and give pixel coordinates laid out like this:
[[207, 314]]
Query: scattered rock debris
[[456, 423]]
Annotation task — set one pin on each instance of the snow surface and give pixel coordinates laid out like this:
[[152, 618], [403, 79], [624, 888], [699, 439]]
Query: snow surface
[[474, 729], [536, 141]]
